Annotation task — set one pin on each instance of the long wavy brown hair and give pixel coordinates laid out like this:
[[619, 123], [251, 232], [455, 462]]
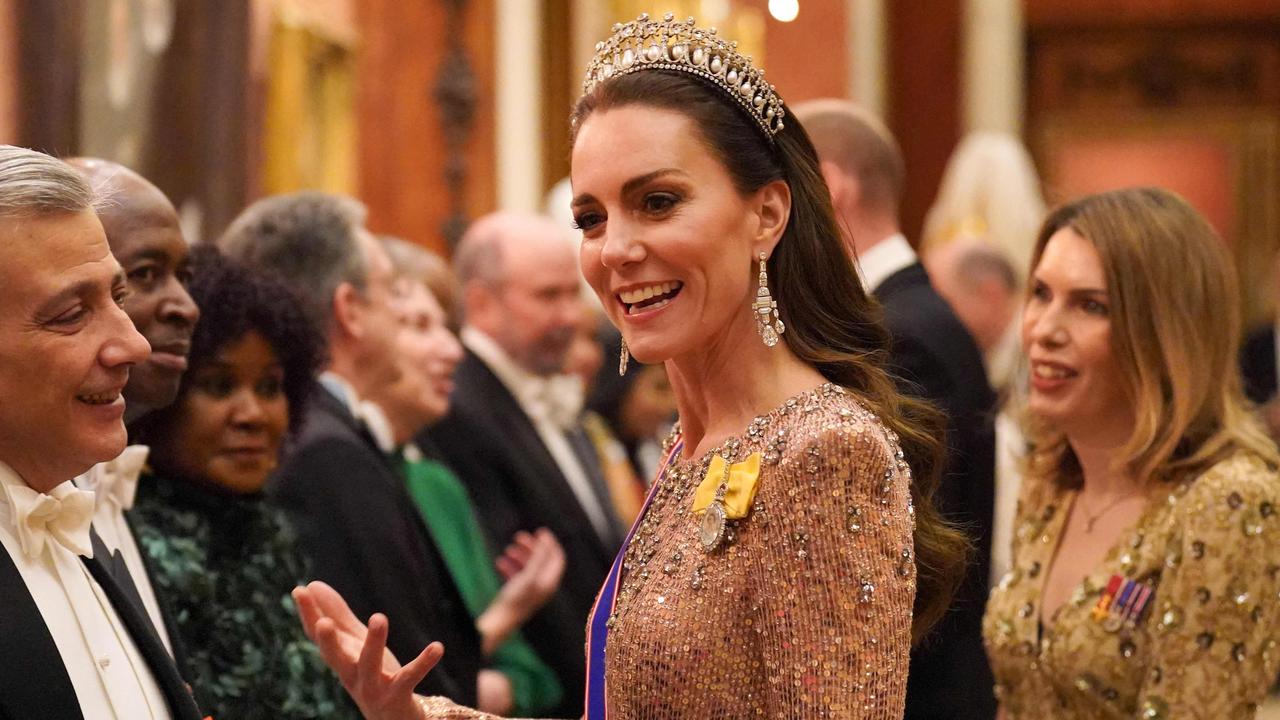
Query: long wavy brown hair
[[1175, 327], [832, 324]]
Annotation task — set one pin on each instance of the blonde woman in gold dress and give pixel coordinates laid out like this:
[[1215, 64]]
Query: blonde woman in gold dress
[[774, 569], [1146, 557]]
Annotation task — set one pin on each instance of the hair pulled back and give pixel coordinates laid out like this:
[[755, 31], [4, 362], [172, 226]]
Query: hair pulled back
[[832, 324]]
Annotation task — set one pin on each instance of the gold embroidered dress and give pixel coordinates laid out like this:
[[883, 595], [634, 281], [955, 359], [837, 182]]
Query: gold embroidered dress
[[803, 610], [1205, 647]]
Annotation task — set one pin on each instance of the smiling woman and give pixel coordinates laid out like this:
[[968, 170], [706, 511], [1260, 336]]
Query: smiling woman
[[1144, 576], [224, 561], [791, 531]]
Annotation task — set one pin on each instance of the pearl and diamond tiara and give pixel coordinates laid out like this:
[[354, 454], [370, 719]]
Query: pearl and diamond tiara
[[645, 44]]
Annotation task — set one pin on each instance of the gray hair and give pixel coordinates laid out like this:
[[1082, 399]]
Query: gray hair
[[309, 239], [33, 184], [981, 263]]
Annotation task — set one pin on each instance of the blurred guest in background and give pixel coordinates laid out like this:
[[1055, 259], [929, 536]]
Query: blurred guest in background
[[513, 433], [145, 238], [639, 405], [990, 191], [1259, 360], [519, 680], [586, 359], [353, 514], [983, 289], [224, 560], [933, 357], [1144, 578], [977, 242]]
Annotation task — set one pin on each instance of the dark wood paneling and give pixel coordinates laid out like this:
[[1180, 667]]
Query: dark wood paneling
[[924, 96], [408, 156], [1110, 13], [197, 146], [48, 36], [560, 86]]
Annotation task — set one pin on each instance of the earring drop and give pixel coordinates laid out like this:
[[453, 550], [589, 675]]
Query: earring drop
[[766, 309], [623, 357]]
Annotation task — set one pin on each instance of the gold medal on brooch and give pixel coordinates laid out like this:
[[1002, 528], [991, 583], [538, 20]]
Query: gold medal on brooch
[[711, 527], [725, 494]]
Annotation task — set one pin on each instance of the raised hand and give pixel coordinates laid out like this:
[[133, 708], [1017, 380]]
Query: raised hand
[[380, 686], [532, 565]]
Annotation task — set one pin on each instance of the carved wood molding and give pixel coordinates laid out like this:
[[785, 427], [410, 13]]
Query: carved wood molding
[[1154, 69], [455, 94]]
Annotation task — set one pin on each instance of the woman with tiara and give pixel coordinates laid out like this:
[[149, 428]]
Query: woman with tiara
[[790, 530]]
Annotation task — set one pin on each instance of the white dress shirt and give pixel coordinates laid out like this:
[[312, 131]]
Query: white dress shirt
[[884, 259], [114, 485], [552, 404], [110, 677]]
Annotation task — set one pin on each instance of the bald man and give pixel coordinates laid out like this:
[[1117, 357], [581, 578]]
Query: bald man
[[146, 239], [934, 357], [513, 433], [144, 236]]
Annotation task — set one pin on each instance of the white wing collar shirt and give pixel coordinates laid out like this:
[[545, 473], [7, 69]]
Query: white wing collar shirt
[[885, 258], [45, 534], [553, 404], [114, 485]]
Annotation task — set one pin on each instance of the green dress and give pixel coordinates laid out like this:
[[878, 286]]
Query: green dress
[[223, 567], [446, 508]]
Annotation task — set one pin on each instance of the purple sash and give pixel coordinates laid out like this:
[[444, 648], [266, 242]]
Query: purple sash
[[598, 626]]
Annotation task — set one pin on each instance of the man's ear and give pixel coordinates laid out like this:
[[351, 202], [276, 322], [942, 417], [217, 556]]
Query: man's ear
[[476, 301], [773, 210], [348, 310], [845, 189]]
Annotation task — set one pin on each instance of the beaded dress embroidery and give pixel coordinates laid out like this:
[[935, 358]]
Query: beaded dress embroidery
[[803, 610], [1205, 646]]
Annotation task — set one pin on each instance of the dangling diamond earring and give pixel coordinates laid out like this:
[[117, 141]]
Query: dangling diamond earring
[[766, 308], [623, 357]]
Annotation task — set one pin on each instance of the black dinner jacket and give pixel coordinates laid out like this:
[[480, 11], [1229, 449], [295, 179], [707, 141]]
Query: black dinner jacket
[[34, 682], [362, 534], [515, 485], [33, 678], [1258, 364], [933, 357]]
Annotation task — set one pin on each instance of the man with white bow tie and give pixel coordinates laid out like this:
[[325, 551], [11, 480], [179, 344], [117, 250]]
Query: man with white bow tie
[[74, 639], [146, 238], [513, 433]]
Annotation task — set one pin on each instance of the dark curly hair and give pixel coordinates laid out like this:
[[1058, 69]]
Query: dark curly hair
[[235, 299]]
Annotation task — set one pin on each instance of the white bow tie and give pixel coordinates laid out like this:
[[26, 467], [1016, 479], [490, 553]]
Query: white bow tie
[[62, 516], [557, 399], [116, 481]]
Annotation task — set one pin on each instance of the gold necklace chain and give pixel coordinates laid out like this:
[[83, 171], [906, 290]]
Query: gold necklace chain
[[1091, 518]]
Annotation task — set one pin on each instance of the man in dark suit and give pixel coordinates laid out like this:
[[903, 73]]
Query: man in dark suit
[[933, 357], [354, 516], [512, 433]]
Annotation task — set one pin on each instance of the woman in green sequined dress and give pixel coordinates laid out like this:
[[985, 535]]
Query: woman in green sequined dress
[[223, 560]]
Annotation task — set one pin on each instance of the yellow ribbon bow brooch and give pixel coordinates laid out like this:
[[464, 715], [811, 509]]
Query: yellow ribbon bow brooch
[[726, 493]]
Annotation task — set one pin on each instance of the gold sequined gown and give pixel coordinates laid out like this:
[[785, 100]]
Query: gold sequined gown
[[1205, 648], [804, 611]]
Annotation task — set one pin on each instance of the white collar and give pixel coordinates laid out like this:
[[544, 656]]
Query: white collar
[[555, 398], [884, 259], [365, 411], [488, 350]]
